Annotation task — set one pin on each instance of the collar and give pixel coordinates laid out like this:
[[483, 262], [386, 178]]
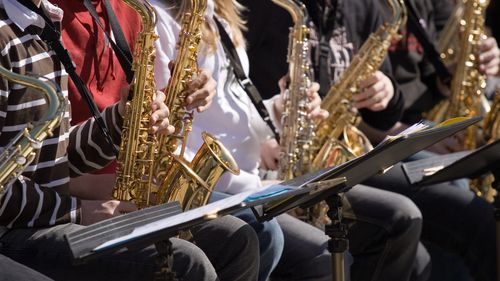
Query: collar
[[24, 17]]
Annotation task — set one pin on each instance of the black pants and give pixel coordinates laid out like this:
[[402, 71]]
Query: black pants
[[453, 218], [11, 270], [230, 252]]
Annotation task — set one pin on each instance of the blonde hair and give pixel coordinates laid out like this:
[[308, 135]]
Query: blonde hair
[[229, 10]]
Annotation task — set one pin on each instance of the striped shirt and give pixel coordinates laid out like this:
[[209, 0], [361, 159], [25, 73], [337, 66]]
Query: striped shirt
[[40, 196]]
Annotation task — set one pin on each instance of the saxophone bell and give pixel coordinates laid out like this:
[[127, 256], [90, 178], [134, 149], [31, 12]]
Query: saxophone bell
[[192, 183]]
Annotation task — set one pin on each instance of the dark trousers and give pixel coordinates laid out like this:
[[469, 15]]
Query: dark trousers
[[454, 219], [227, 243], [384, 241], [11, 270]]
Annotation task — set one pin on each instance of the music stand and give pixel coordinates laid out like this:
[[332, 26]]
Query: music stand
[[155, 225], [355, 171], [486, 159]]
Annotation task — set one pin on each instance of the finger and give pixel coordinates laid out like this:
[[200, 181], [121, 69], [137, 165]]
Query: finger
[[165, 129], [159, 114], [313, 90], [364, 103], [370, 80], [314, 105], [486, 57], [194, 99], [198, 83], [283, 83], [487, 44], [202, 108], [490, 68], [365, 94]]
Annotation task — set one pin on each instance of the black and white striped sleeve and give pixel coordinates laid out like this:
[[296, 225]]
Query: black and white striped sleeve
[[88, 149]]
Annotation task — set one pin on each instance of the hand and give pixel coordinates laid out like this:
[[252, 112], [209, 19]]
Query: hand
[[93, 211], [313, 107], [489, 57], [202, 90], [270, 154], [376, 92], [159, 118]]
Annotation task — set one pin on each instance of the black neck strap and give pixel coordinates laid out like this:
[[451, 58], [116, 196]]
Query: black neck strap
[[416, 28], [243, 80], [120, 46], [327, 24], [52, 37]]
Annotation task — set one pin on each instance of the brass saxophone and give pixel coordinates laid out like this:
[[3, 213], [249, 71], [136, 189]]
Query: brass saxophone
[[337, 138], [178, 180], [298, 129], [468, 84], [138, 149], [483, 186], [448, 40], [491, 125], [22, 149]]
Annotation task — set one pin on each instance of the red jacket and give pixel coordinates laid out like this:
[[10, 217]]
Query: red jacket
[[94, 58]]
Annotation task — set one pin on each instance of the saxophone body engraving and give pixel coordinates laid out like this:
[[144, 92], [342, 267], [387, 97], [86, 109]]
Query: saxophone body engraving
[[22, 149], [337, 138], [298, 129]]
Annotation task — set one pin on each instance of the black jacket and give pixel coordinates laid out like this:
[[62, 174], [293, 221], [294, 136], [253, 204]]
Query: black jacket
[[267, 37]]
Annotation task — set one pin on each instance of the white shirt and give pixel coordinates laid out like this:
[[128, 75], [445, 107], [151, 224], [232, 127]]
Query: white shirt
[[232, 117], [24, 17]]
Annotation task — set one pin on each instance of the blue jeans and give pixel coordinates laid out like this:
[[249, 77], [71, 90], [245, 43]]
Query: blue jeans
[[271, 240]]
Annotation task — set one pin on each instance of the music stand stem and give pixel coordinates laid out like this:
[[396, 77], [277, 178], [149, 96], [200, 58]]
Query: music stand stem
[[337, 231], [164, 261]]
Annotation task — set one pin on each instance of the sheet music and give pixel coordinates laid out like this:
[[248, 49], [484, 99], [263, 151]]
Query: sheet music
[[416, 170], [207, 210], [422, 125]]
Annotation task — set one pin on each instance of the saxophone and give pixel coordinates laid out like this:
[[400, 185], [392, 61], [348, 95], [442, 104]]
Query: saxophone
[[337, 138], [468, 84], [21, 150], [448, 40], [483, 186], [491, 125], [138, 149], [298, 129], [178, 180]]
